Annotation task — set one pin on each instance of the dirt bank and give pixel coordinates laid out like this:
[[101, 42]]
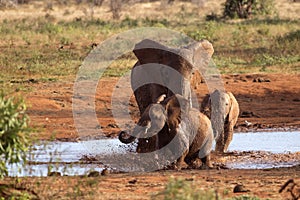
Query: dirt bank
[[266, 101], [260, 183]]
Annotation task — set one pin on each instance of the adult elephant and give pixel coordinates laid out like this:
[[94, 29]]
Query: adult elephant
[[190, 130], [162, 70], [223, 110]]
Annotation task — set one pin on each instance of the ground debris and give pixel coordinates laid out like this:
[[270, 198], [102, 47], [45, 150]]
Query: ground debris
[[240, 188], [292, 187]]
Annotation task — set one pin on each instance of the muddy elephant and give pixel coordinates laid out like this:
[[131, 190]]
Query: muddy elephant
[[223, 110], [190, 128], [162, 70]]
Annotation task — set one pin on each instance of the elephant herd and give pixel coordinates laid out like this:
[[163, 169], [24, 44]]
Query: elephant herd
[[169, 116]]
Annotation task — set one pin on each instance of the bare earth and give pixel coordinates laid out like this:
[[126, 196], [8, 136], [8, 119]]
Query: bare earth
[[267, 101], [264, 184]]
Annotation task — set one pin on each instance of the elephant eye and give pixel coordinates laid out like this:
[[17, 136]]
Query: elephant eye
[[146, 123]]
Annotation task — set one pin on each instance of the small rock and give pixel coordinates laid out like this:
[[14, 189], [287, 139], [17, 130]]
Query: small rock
[[296, 100], [247, 114], [94, 45], [105, 172], [239, 188], [261, 80], [54, 174], [134, 181], [189, 179], [32, 80], [93, 174], [112, 125]]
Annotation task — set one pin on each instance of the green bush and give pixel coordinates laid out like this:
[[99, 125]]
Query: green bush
[[14, 132], [288, 44], [247, 8]]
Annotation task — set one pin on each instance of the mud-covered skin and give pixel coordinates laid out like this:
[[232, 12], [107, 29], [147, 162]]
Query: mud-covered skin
[[191, 130], [226, 110], [150, 54]]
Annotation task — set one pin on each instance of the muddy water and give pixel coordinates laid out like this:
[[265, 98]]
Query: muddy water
[[275, 142], [76, 158]]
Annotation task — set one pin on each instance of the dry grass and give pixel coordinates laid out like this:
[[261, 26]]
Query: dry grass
[[44, 41], [286, 10]]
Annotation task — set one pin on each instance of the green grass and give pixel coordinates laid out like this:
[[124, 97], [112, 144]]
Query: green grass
[[44, 50]]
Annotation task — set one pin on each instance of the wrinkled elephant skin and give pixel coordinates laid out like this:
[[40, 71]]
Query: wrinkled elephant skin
[[162, 70]]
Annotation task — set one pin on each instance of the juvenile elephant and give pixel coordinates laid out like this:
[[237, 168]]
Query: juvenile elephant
[[191, 129], [168, 71], [223, 110]]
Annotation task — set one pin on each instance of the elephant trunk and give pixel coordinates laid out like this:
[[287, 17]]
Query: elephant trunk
[[123, 137], [218, 130], [218, 118]]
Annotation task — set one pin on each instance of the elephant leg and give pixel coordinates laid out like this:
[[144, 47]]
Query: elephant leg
[[206, 163], [228, 135], [180, 161]]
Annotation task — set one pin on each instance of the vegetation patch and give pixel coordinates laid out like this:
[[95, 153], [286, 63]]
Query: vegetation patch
[[14, 133]]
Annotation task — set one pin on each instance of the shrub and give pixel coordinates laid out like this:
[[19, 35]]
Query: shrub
[[12, 3], [115, 7], [247, 8], [14, 132], [287, 44]]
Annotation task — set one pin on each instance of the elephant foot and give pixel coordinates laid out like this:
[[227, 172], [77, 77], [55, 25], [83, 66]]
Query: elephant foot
[[180, 165], [195, 163], [206, 163], [205, 167]]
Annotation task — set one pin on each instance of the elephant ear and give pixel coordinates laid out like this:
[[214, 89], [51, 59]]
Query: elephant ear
[[206, 106], [234, 109], [149, 51], [176, 106]]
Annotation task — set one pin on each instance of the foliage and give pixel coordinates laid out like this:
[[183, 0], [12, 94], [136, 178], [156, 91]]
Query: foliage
[[184, 190], [247, 8], [288, 43], [12, 3], [115, 7], [14, 132]]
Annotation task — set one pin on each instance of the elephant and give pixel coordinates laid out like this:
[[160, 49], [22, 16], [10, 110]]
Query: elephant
[[168, 71], [190, 128], [223, 110]]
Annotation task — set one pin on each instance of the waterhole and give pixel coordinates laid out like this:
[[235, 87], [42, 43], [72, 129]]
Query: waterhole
[[247, 150]]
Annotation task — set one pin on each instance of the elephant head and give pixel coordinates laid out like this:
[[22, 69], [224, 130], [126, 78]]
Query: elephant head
[[162, 115], [223, 110]]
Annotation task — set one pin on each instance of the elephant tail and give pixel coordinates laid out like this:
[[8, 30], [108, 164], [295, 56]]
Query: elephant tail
[[123, 137]]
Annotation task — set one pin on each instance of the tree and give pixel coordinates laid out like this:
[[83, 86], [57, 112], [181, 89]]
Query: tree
[[14, 132], [247, 8]]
